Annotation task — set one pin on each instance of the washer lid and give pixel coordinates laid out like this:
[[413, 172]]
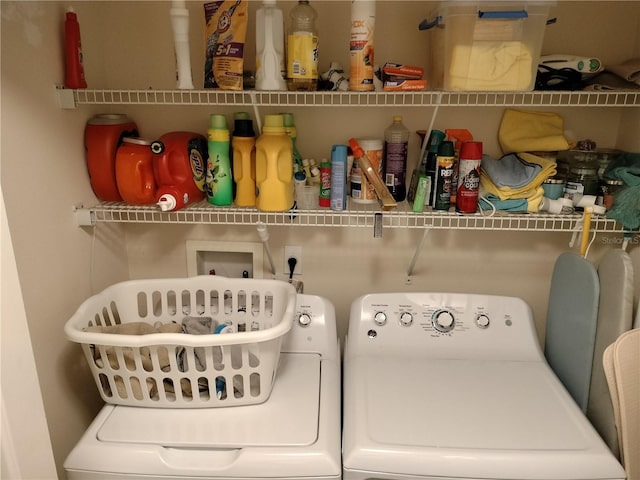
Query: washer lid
[[466, 419], [288, 418]]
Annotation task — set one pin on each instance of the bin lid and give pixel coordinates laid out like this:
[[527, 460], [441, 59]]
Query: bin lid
[[288, 418]]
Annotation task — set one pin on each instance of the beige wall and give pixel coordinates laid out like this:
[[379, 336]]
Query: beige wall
[[128, 45]]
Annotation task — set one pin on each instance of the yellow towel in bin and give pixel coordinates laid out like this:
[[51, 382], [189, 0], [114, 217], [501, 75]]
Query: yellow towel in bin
[[492, 66], [522, 131]]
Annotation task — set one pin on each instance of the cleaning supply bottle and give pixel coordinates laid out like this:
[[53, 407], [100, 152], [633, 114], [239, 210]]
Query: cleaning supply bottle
[[243, 143], [428, 159], [325, 183], [134, 172], [302, 48], [444, 175], [396, 143], [469, 177], [270, 67], [274, 167], [180, 26], [338, 177], [74, 71], [219, 184], [179, 168], [361, 66], [290, 128]]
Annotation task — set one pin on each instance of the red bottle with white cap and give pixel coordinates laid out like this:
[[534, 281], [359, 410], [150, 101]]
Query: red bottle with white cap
[[468, 177]]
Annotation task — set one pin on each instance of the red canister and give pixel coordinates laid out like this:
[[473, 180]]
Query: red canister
[[134, 172], [102, 137], [468, 177]]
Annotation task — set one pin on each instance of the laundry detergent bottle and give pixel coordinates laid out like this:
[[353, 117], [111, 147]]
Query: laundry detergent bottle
[[219, 183], [274, 167], [179, 168], [243, 143]]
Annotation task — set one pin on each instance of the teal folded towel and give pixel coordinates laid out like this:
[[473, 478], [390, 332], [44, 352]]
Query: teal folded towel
[[626, 203]]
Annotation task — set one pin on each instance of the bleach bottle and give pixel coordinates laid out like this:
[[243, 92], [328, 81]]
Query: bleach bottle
[[274, 167], [270, 66], [219, 183]]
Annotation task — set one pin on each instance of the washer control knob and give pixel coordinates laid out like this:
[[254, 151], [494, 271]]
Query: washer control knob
[[406, 319], [304, 320], [380, 318], [482, 320], [443, 321]]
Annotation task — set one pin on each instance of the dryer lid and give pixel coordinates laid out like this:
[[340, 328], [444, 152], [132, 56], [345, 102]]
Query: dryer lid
[[288, 418]]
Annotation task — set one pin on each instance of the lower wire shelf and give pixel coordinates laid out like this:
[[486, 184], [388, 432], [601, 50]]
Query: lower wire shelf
[[357, 215]]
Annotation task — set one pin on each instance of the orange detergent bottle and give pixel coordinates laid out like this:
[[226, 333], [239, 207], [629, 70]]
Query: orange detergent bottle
[[134, 172]]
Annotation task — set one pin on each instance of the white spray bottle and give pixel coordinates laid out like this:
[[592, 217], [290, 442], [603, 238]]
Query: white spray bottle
[[180, 25]]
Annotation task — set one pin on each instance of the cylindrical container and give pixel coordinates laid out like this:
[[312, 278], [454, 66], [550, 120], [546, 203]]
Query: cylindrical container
[[270, 66], [102, 137], [429, 158], [299, 183], [444, 175], [361, 45], [290, 129], [179, 169], [219, 184], [74, 70], [361, 190], [324, 200], [609, 190], [180, 26], [469, 177], [306, 168], [274, 167], [338, 177], [243, 143], [396, 146], [582, 179], [302, 48], [134, 172], [553, 188]]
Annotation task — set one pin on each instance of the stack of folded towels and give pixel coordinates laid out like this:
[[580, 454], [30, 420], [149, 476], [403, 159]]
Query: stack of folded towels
[[514, 182]]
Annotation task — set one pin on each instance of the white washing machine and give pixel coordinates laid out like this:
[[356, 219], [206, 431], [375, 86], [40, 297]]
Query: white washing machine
[[295, 434], [455, 386]]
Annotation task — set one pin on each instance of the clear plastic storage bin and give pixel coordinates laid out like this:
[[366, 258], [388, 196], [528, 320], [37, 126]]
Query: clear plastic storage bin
[[486, 46], [149, 342]]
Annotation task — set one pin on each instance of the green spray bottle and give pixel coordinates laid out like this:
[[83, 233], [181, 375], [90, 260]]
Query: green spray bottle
[[219, 183]]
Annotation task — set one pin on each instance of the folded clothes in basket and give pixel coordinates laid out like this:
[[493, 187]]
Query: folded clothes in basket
[[133, 328]]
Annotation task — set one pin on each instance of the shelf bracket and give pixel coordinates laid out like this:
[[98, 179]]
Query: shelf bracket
[[416, 254], [66, 99], [84, 216]]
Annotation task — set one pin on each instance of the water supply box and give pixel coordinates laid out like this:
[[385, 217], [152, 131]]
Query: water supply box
[[486, 46]]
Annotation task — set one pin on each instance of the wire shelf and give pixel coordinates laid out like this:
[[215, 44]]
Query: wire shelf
[[358, 215], [357, 99]]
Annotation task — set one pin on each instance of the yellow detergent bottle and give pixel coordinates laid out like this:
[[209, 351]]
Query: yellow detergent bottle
[[243, 144], [274, 167]]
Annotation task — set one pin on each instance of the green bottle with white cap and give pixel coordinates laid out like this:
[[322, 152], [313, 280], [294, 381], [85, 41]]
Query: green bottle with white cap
[[219, 182]]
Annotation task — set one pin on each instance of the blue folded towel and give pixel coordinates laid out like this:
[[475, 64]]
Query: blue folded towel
[[510, 171]]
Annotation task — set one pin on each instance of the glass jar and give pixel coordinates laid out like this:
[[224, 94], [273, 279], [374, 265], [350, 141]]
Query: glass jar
[[609, 188], [582, 180], [553, 188]]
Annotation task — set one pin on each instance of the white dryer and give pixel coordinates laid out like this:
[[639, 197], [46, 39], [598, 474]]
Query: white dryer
[[295, 434], [455, 386]]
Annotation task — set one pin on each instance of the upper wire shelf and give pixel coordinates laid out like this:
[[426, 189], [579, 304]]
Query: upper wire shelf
[[357, 99], [358, 215]]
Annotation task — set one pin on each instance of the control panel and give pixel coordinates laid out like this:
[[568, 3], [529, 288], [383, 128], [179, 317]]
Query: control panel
[[432, 322]]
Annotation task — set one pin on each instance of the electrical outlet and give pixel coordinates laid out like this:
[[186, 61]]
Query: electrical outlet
[[293, 252]]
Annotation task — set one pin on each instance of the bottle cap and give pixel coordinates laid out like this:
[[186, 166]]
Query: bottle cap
[[243, 127], [355, 148], [299, 176], [446, 149], [273, 124], [241, 116], [471, 151], [167, 202], [218, 122], [305, 162], [397, 118], [435, 139]]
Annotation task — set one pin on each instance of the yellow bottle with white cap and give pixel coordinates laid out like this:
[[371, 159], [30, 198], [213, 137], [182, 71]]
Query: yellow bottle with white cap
[[274, 167]]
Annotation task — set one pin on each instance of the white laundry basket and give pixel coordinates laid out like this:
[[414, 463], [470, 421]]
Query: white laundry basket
[[132, 336]]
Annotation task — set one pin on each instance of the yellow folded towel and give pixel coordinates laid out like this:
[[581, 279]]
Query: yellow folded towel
[[522, 131]]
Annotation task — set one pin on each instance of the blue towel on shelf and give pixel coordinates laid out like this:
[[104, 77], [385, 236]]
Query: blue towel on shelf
[[509, 205], [510, 171]]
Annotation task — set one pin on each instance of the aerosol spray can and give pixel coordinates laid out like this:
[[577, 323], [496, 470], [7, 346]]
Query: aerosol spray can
[[444, 175], [469, 177]]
